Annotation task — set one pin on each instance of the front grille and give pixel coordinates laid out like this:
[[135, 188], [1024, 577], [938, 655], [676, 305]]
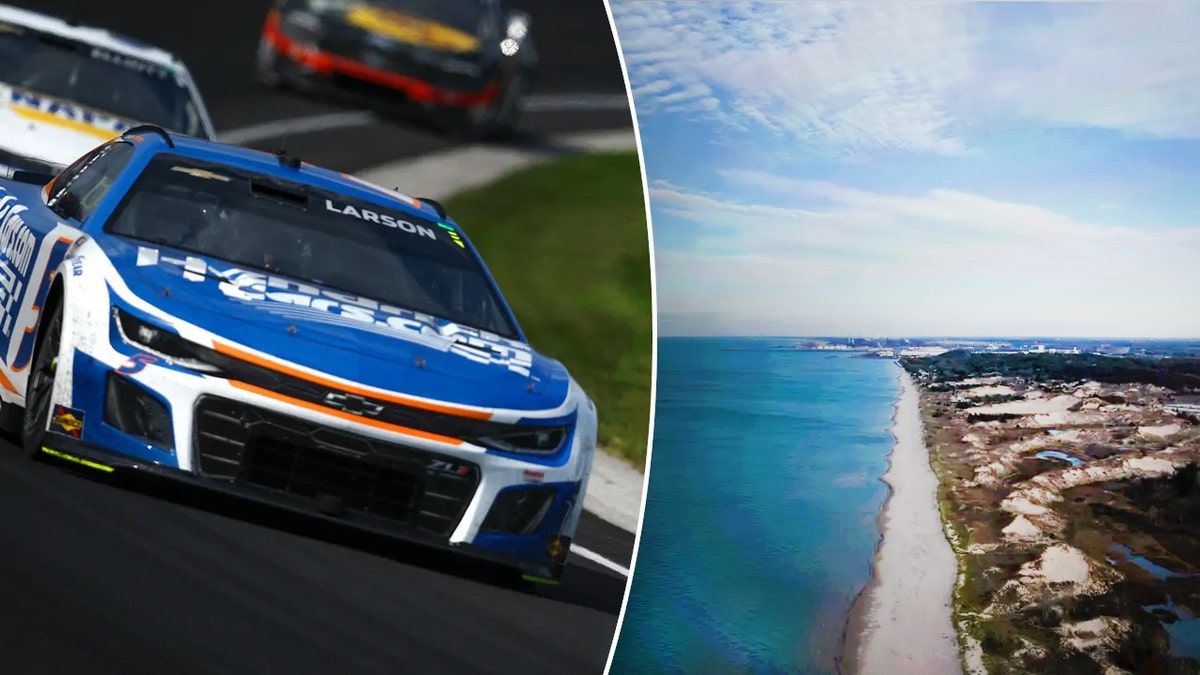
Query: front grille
[[338, 471], [356, 48], [379, 409]]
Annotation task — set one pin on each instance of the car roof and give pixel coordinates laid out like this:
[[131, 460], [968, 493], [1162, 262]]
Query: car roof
[[271, 165], [98, 37]]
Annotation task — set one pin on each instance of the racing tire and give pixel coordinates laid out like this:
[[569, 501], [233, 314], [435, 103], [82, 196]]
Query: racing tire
[[39, 392], [512, 104], [266, 66], [496, 120]]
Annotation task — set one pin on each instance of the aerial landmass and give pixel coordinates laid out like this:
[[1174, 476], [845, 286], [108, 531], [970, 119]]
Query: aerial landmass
[[1069, 491]]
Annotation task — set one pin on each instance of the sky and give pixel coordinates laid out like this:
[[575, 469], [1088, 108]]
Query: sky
[[895, 169]]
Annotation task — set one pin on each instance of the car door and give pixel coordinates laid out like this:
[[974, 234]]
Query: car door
[[34, 242]]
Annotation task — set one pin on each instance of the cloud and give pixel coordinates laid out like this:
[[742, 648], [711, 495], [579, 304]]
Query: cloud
[[1132, 67], [845, 78], [941, 261], [853, 79]]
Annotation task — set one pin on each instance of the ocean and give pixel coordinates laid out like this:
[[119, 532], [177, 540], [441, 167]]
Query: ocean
[[764, 489]]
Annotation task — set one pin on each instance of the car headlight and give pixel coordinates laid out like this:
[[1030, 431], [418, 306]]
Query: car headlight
[[517, 28], [530, 440], [164, 344]]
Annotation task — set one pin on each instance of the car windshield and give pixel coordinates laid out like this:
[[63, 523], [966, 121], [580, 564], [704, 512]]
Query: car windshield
[[464, 15], [107, 81], [311, 235]]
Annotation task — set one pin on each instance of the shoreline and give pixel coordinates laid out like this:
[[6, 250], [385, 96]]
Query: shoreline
[[901, 619]]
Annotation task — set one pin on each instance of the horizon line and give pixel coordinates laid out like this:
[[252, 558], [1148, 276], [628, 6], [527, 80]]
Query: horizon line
[[940, 337]]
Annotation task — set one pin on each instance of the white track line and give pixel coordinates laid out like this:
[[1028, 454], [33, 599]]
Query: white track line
[[297, 125], [568, 102], [543, 103], [599, 559]]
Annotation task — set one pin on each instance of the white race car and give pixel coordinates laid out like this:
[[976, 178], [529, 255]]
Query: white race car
[[64, 88]]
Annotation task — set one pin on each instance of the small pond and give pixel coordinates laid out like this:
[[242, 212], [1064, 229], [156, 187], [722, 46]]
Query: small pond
[[1060, 456]]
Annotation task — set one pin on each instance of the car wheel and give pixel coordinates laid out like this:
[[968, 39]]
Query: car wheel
[[512, 104], [266, 65], [476, 123], [471, 125], [40, 390]]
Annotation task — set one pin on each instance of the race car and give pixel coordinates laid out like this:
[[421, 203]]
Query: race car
[[66, 87], [467, 63], [261, 326]]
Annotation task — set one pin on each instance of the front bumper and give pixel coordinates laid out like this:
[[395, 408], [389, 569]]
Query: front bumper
[[224, 437], [315, 66], [64, 448]]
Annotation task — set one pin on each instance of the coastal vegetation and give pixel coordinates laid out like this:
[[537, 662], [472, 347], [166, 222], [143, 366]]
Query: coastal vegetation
[[1173, 373], [1069, 493]]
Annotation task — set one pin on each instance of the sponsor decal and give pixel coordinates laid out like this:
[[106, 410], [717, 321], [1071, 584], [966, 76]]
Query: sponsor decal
[[556, 548], [201, 173], [306, 302], [45, 109], [534, 476], [406, 28], [131, 63], [76, 266], [17, 244], [67, 421], [381, 218], [40, 288], [453, 235]]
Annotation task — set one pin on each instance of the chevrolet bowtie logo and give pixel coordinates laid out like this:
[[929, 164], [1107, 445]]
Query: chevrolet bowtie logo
[[355, 405]]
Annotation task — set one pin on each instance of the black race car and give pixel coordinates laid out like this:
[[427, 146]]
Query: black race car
[[470, 62]]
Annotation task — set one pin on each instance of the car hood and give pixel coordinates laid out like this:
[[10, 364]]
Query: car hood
[[342, 335], [393, 24], [51, 130]]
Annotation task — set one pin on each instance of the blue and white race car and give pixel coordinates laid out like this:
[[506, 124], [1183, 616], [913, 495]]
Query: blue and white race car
[[256, 324]]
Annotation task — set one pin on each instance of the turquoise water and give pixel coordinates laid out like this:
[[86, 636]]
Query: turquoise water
[[1185, 637], [1184, 631], [1145, 563], [760, 518]]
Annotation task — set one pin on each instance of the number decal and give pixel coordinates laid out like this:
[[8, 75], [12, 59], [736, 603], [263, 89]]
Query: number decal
[[137, 363]]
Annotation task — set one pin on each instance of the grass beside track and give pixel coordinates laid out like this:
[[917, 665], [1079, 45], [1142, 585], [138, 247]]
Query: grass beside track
[[567, 243]]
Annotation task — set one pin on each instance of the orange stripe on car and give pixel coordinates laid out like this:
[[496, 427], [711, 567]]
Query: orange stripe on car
[[7, 384], [358, 419], [234, 352]]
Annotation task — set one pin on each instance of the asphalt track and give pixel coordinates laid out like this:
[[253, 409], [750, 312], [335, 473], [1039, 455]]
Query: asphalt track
[[109, 576]]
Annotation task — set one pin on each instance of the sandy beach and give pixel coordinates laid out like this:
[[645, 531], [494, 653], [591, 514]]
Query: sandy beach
[[901, 622]]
